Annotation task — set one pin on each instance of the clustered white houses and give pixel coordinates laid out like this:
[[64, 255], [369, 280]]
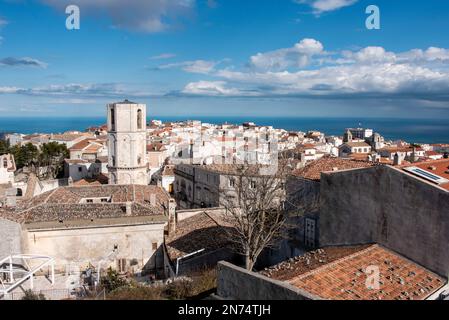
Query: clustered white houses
[[124, 180]]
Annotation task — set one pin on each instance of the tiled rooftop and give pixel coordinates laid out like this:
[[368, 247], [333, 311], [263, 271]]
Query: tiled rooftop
[[438, 167], [201, 231], [357, 144], [65, 203], [313, 170], [169, 170], [69, 136], [339, 274], [283, 166], [88, 145]]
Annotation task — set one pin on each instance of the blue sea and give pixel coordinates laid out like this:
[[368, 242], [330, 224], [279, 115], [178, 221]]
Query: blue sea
[[411, 130]]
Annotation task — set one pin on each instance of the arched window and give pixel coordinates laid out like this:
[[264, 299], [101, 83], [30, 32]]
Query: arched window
[[5, 163], [139, 119], [112, 119]]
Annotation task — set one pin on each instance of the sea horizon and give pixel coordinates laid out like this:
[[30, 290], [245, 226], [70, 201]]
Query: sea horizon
[[408, 129]]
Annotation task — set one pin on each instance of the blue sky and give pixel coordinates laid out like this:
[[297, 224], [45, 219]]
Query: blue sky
[[226, 57]]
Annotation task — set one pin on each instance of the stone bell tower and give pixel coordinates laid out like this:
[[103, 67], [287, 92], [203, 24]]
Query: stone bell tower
[[127, 163]]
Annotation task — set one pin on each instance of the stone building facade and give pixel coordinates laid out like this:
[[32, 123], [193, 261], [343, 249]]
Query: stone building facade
[[118, 226]]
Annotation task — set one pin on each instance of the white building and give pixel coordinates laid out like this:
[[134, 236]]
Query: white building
[[350, 148], [7, 168], [127, 143], [361, 133]]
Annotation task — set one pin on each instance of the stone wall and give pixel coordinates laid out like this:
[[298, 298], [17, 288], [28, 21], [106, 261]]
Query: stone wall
[[94, 244], [387, 206], [10, 238], [237, 283]]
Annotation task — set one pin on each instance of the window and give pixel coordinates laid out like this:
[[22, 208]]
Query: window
[[90, 201], [121, 265], [232, 182], [139, 119], [5, 163], [104, 200], [154, 246], [112, 119], [310, 233], [253, 184], [80, 169]]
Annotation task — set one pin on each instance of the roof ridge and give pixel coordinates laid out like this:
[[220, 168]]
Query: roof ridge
[[50, 194], [210, 217]]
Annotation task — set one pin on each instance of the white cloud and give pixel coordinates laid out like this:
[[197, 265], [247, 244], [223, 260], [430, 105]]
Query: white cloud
[[369, 72], [369, 55], [196, 66], [432, 54], [78, 91], [299, 55], [138, 15], [320, 6], [211, 88], [25, 61], [5, 90], [163, 56]]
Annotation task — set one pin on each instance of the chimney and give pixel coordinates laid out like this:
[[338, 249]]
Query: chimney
[[397, 161], [171, 215], [153, 199], [11, 198], [303, 160], [129, 209]]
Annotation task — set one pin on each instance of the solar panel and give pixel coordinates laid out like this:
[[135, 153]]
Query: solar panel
[[426, 175]]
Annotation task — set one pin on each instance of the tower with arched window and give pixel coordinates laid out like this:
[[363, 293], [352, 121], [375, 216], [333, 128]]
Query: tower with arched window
[[127, 163]]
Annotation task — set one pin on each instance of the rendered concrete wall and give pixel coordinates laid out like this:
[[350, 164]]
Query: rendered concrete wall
[[207, 260], [384, 205], [10, 238], [91, 245], [187, 213], [237, 283]]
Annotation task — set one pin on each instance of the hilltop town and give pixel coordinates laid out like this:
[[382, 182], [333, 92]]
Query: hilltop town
[[149, 202]]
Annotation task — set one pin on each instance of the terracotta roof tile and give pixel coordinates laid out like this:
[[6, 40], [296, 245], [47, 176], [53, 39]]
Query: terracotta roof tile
[[313, 170], [201, 231], [345, 278]]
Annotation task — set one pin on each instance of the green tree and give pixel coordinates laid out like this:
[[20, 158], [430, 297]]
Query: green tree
[[112, 281], [25, 155], [51, 158], [4, 147]]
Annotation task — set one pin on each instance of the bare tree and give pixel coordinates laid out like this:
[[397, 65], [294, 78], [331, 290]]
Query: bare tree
[[254, 207]]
